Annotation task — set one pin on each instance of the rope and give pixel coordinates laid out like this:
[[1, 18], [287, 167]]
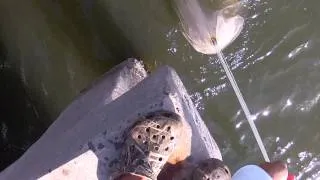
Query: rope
[[243, 105]]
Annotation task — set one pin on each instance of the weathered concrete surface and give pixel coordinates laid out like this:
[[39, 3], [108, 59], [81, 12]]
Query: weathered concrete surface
[[84, 142]]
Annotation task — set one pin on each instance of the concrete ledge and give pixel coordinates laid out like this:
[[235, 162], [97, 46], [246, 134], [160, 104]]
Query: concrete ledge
[[84, 142]]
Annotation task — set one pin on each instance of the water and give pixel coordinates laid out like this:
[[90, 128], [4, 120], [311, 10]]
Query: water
[[275, 61], [210, 35], [244, 105]]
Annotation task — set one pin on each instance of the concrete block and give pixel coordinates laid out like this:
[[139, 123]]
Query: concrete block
[[85, 141]]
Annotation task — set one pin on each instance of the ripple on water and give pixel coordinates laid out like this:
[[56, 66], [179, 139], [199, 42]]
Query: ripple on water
[[214, 91], [309, 104], [298, 50], [198, 101], [311, 169], [4, 131]]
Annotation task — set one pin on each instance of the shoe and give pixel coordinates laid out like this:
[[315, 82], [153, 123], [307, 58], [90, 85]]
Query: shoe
[[149, 144], [210, 169]]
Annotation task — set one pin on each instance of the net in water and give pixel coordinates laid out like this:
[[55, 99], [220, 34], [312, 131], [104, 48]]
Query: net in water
[[200, 28]]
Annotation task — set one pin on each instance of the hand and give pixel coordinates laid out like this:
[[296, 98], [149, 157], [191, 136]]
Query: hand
[[277, 170]]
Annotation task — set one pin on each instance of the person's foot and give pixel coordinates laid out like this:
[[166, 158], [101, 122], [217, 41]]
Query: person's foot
[[149, 144], [210, 169]]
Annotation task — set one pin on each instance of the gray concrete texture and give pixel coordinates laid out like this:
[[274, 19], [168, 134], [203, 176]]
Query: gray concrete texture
[[84, 142]]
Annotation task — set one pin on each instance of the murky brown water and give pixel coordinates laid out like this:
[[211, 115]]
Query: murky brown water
[[56, 48]]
